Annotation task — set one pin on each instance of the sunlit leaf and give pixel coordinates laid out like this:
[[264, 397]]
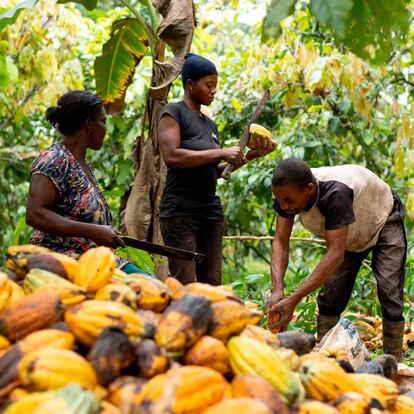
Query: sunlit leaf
[[277, 11], [88, 4], [120, 56], [4, 73], [334, 13], [10, 16]]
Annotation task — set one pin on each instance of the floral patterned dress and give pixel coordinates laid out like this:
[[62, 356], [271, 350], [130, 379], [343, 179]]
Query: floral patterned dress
[[78, 199]]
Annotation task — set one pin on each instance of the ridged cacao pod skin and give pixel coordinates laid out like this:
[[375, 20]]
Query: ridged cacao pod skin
[[124, 389], [258, 136], [183, 323], [118, 292], [151, 293], [242, 405], [106, 407], [111, 353], [9, 361], [69, 295], [29, 403], [230, 318], [250, 356], [290, 357], [209, 352], [150, 320], [10, 291], [324, 379], [71, 399], [210, 292], [253, 386], [261, 334], [376, 387], [36, 278], [88, 319], [353, 402], [151, 359], [314, 407], [173, 284], [51, 368], [402, 405], [31, 313], [96, 268], [182, 390], [57, 263]]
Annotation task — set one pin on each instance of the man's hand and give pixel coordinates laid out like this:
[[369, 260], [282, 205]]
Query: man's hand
[[265, 147], [273, 298], [285, 308]]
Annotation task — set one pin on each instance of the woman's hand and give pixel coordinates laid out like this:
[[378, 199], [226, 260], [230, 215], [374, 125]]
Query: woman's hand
[[233, 155], [106, 236]]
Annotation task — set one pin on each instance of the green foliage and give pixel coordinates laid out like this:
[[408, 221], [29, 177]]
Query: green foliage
[[139, 257], [10, 15], [120, 56], [369, 28], [88, 4], [277, 11], [334, 13]]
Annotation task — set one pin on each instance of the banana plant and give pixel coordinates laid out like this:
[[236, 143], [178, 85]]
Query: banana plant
[[170, 23]]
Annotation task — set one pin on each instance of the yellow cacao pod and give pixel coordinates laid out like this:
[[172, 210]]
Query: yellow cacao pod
[[324, 379], [354, 402], [96, 268], [230, 318], [210, 292], [376, 386], [250, 356], [118, 292], [253, 386], [314, 407], [151, 359], [71, 399], [9, 361], [151, 293], [242, 405], [28, 404], [124, 389], [209, 352], [57, 263], [52, 368], [261, 334], [88, 319], [402, 405], [173, 284], [37, 278], [258, 136], [183, 390]]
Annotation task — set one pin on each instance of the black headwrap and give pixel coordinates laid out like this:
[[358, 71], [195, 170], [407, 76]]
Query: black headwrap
[[196, 67]]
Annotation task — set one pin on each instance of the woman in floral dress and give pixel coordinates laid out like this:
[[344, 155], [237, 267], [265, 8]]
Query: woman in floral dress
[[65, 206]]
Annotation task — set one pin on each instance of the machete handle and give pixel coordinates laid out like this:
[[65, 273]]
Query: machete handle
[[227, 171]]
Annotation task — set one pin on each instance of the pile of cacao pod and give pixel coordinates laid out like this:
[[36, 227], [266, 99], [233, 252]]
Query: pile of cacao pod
[[370, 330], [81, 337]]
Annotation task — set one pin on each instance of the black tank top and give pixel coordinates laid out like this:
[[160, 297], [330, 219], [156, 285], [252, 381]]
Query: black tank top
[[192, 191]]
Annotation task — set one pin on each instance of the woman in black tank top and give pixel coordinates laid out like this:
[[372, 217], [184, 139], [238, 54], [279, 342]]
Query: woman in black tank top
[[191, 214]]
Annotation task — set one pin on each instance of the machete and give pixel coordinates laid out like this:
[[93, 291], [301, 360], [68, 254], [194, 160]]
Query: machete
[[246, 134], [163, 250]]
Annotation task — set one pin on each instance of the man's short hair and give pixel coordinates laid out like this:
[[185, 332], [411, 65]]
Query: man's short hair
[[292, 172]]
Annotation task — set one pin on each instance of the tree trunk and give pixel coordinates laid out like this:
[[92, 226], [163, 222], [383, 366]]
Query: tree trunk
[[142, 208]]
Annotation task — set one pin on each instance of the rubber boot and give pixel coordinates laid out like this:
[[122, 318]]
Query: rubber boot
[[325, 323], [393, 333]]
